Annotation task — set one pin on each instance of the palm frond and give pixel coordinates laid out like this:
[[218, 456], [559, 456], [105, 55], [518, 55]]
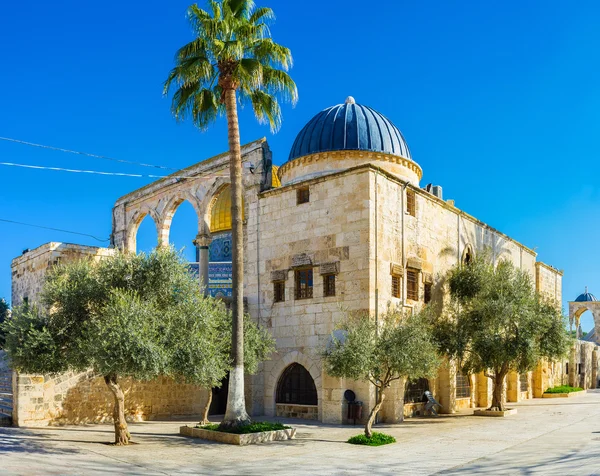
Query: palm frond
[[276, 81], [262, 13], [266, 109], [271, 53], [240, 8]]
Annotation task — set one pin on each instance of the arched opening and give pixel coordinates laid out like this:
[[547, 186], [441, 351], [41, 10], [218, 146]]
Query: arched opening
[[468, 255], [415, 390], [183, 230], [145, 238], [463, 385], [296, 387], [586, 323]]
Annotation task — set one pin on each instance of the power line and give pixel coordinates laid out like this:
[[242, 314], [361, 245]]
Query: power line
[[32, 144], [54, 229], [97, 172]]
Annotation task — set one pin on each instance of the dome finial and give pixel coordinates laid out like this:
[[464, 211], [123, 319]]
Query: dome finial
[[350, 100], [586, 290]]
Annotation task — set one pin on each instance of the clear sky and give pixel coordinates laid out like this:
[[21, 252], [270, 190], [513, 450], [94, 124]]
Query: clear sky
[[498, 102]]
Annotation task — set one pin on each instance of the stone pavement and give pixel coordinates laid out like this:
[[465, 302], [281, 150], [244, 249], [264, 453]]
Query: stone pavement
[[547, 436]]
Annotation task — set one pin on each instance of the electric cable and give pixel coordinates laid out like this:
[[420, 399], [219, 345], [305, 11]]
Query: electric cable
[[53, 229]]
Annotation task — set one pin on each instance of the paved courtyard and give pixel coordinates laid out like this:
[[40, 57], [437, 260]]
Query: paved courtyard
[[549, 436]]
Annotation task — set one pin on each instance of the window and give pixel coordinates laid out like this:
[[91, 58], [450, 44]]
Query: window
[[412, 284], [395, 286], [427, 293], [567, 368], [278, 291], [411, 208], [415, 390], [468, 256], [303, 195], [328, 285], [296, 386], [523, 382], [304, 283], [463, 385]]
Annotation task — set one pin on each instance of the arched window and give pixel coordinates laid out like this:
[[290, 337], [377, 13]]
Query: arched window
[[296, 386], [415, 389]]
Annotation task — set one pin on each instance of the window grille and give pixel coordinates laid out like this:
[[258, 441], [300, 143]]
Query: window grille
[[463, 385], [523, 382], [303, 195], [415, 390], [296, 386], [395, 286], [412, 284], [304, 283], [328, 285], [427, 293], [411, 208], [279, 291]]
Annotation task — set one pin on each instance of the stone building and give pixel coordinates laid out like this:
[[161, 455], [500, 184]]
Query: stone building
[[342, 225]]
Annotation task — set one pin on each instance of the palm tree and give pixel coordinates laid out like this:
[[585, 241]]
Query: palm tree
[[232, 58]]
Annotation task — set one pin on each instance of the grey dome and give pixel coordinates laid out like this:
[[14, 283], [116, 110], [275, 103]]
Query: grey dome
[[349, 126]]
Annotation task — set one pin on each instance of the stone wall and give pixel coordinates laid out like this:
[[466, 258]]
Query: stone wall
[[82, 398], [29, 269]]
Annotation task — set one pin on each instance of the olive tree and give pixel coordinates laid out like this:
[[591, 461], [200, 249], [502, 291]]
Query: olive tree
[[497, 323], [399, 346], [128, 315]]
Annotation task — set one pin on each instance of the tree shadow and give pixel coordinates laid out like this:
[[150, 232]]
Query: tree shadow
[[17, 440]]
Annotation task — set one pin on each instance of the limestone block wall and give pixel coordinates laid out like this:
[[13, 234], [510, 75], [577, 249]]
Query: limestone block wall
[[330, 233], [548, 282], [29, 269], [70, 398]]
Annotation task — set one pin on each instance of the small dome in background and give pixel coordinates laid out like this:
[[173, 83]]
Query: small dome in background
[[586, 297]]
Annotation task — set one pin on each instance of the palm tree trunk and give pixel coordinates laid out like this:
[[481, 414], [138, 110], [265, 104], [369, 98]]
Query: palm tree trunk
[[373, 414], [235, 414], [122, 436]]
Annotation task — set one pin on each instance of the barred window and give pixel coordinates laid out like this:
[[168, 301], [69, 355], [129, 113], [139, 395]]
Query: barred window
[[415, 389], [302, 195], [523, 382], [279, 291], [427, 293], [411, 208], [463, 385], [328, 285], [395, 286], [412, 284], [304, 283]]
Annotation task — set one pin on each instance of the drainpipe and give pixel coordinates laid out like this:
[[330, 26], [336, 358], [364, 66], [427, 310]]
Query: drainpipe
[[403, 212]]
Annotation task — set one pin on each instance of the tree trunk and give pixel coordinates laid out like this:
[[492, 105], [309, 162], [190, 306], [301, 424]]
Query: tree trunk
[[122, 436], [205, 420], [373, 414], [235, 414], [498, 391]]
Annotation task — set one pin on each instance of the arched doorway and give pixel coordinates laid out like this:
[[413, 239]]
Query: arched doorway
[[296, 395]]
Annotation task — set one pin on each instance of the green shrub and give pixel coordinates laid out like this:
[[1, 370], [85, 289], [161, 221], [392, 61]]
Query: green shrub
[[564, 389], [377, 439], [254, 427]]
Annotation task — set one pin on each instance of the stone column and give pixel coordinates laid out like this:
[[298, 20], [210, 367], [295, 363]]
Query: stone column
[[202, 243], [573, 367]]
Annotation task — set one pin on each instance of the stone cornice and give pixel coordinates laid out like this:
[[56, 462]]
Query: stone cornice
[[350, 154]]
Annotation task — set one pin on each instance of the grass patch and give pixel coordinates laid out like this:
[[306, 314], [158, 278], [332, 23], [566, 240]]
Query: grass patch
[[377, 439], [254, 427], [564, 389]]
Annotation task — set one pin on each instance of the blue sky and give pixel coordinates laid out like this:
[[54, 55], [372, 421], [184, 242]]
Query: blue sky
[[498, 102]]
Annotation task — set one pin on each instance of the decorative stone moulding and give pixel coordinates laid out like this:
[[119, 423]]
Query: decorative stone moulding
[[427, 278], [329, 268], [279, 275], [495, 413], [414, 263], [302, 259], [563, 395], [235, 439], [396, 269]]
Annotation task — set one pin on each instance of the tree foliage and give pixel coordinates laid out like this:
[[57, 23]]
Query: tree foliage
[[497, 323], [128, 315], [400, 346], [4, 313]]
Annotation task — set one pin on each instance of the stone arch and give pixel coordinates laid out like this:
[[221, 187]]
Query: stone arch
[[296, 386], [166, 217], [134, 223], [577, 308], [313, 367]]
